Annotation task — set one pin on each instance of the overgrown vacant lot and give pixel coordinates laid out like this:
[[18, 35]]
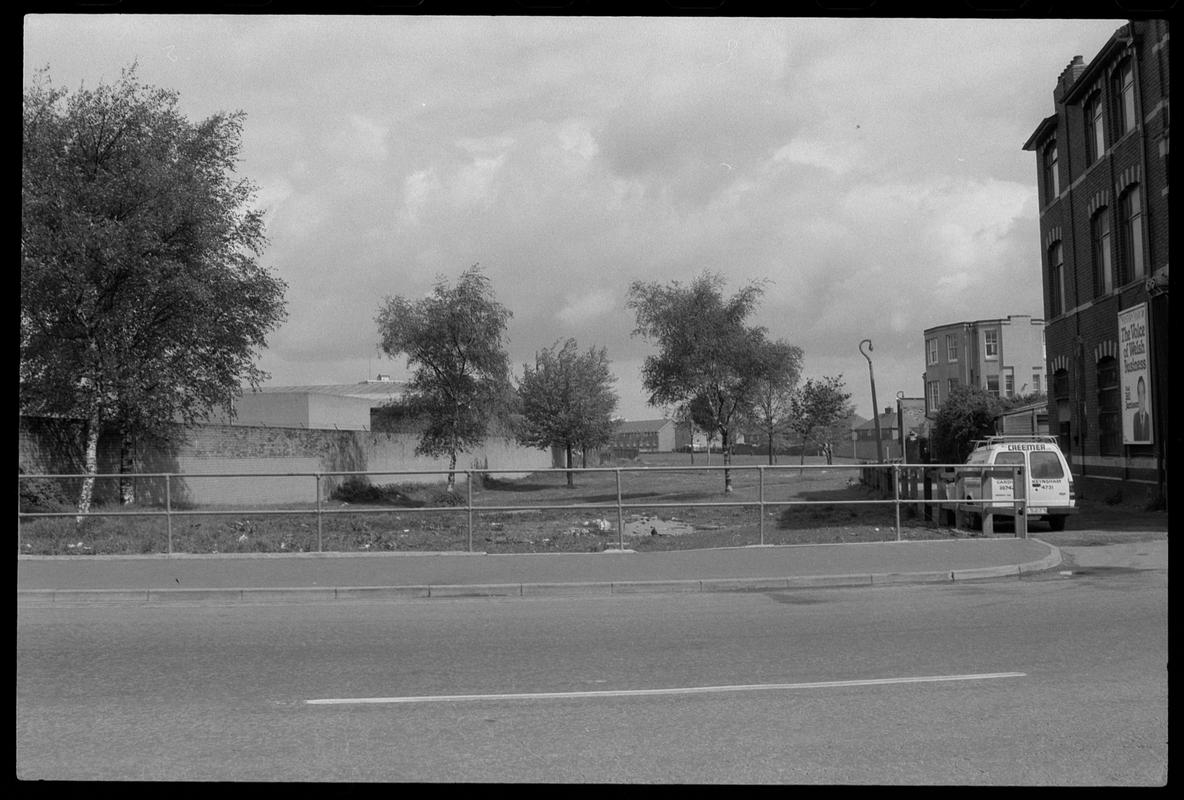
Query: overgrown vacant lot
[[658, 493]]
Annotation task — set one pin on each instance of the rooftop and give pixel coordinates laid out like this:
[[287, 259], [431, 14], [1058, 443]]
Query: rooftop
[[641, 425], [365, 389]]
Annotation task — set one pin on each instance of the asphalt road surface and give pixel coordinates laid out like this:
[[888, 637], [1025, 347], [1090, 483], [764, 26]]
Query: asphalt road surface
[[1054, 681]]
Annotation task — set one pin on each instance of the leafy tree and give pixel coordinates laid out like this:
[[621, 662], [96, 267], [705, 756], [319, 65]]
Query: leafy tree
[[142, 302], [707, 355], [773, 394], [567, 400], [967, 414], [453, 340], [816, 408]]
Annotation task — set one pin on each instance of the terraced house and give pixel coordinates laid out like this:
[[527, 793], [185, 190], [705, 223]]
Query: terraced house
[[1102, 167]]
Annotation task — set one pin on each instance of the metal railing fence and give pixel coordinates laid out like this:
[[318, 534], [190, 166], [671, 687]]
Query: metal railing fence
[[893, 477]]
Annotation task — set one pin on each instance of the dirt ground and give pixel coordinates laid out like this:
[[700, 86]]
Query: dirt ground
[[662, 508]]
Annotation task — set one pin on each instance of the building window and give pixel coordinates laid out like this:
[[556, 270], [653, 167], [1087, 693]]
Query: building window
[[1009, 383], [1052, 178], [1099, 228], [931, 354], [1109, 408], [1036, 382], [993, 384], [1131, 236], [1124, 98], [991, 344], [952, 348], [951, 384], [1095, 124], [934, 399], [1056, 280]]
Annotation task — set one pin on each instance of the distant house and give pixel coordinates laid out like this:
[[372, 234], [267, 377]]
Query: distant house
[[342, 407], [910, 411], [687, 437], [865, 437], [647, 435]]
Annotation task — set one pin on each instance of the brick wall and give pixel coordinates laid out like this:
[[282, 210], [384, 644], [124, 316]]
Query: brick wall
[[1088, 330]]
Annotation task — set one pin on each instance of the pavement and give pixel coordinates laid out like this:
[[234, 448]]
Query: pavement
[[404, 576]]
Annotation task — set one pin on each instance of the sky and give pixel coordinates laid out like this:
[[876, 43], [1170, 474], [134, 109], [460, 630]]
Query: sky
[[869, 171]]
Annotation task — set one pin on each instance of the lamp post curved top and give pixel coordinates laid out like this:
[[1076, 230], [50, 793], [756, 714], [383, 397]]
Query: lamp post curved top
[[875, 404]]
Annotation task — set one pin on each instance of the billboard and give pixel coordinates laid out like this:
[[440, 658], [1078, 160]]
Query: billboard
[[1135, 359]]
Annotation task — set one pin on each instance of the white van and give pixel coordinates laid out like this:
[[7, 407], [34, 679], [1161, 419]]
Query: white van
[[1049, 493]]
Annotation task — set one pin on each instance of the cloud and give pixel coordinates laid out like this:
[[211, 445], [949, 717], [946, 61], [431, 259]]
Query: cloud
[[581, 309], [870, 169], [360, 139], [824, 155]]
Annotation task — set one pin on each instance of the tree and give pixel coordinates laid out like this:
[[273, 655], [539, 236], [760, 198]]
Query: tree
[[453, 340], [567, 400], [815, 408], [967, 414], [773, 394], [707, 355], [142, 302]]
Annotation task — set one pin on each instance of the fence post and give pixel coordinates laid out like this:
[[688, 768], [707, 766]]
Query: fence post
[[927, 476], [896, 496], [318, 477], [168, 509], [1019, 495], [761, 497], [620, 513], [469, 477]]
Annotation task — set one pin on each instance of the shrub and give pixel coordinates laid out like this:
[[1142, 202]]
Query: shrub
[[43, 495], [357, 489], [443, 497], [967, 414]]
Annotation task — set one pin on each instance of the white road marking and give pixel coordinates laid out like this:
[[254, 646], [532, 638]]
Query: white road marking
[[455, 698]]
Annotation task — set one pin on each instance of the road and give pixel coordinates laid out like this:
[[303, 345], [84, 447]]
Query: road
[[1054, 681]]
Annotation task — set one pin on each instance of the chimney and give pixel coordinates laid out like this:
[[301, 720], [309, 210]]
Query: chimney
[[1068, 77]]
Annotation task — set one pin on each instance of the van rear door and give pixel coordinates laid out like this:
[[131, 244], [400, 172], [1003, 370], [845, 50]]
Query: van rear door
[[1049, 485]]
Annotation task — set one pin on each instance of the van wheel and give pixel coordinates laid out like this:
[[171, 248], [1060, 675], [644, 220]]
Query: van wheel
[[1056, 523]]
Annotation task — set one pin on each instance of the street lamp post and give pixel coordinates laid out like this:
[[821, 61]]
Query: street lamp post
[[875, 404]]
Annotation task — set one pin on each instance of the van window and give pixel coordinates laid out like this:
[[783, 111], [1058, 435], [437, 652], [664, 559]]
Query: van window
[[1009, 459], [979, 456], [1046, 465]]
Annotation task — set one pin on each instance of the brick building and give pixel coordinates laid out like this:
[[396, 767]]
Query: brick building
[[1003, 356], [1102, 168]]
